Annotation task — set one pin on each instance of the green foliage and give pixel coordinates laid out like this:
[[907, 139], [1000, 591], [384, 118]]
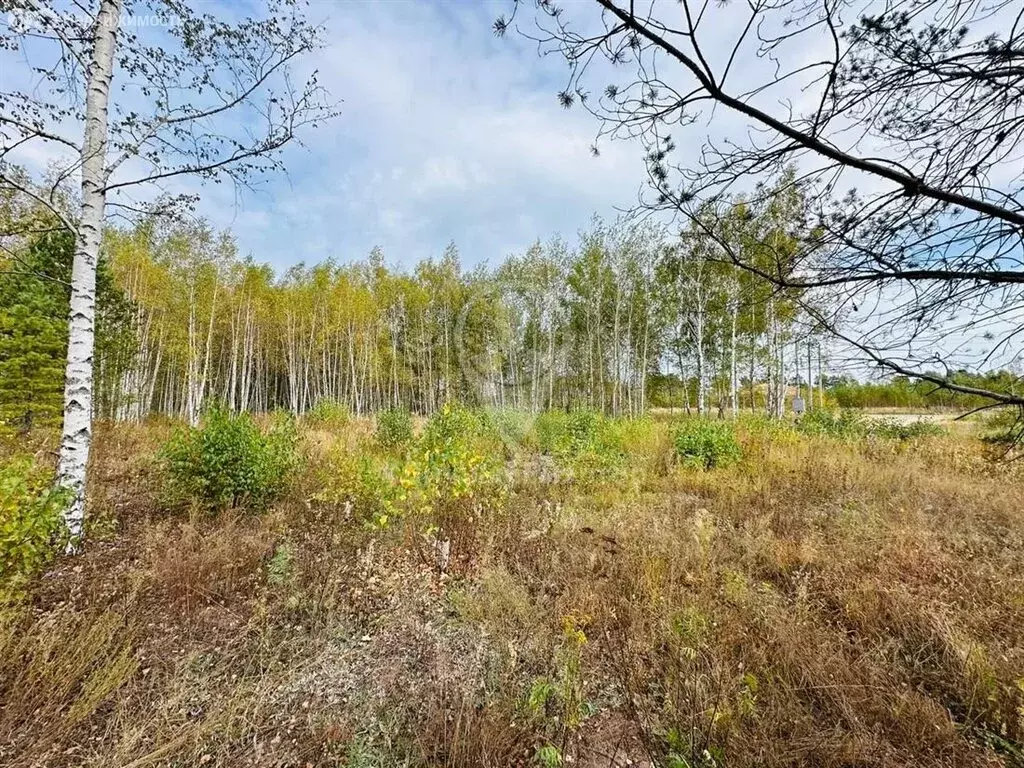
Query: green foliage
[[548, 756], [31, 530], [766, 428], [357, 479], [903, 392], [635, 435], [897, 430], [510, 426], [586, 443], [550, 428], [453, 424], [1004, 427], [557, 703], [707, 444], [454, 460], [851, 425], [34, 300], [281, 565], [329, 413], [456, 452], [228, 461], [541, 692], [844, 425], [33, 334], [569, 434], [394, 428]]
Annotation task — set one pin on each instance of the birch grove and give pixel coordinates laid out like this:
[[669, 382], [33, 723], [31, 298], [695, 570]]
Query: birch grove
[[626, 318]]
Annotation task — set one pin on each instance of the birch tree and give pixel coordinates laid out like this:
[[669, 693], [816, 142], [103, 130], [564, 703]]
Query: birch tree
[[198, 97]]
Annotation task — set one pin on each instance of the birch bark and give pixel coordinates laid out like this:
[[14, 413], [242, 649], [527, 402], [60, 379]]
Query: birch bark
[[76, 436]]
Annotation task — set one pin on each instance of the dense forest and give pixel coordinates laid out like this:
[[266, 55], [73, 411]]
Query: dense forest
[[623, 319]]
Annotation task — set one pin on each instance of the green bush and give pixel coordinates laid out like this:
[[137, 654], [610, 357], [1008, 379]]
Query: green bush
[[1004, 426], [228, 461], [31, 530], [707, 444], [452, 423], [851, 425], [576, 433], [762, 425], [550, 428], [846, 424], [454, 459], [329, 413], [584, 432], [508, 426], [394, 428], [361, 480], [585, 443]]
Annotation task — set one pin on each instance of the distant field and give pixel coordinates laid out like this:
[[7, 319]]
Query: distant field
[[909, 416]]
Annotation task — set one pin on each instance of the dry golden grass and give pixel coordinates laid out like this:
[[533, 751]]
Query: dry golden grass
[[819, 604]]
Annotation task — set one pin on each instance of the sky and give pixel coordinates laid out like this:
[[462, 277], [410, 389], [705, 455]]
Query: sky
[[446, 134]]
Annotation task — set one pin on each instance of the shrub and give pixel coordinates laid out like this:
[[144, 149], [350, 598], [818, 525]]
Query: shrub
[[569, 434], [509, 426], [453, 460], [1004, 427], [31, 531], [843, 425], [895, 430], [456, 453], [585, 443], [707, 444], [357, 479], [582, 431], [329, 413], [576, 433], [550, 429], [637, 435], [850, 425], [228, 461], [394, 428], [764, 426]]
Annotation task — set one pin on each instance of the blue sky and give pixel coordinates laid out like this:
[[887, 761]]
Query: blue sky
[[445, 134]]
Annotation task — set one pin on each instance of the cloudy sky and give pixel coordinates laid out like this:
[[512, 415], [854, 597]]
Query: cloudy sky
[[445, 134]]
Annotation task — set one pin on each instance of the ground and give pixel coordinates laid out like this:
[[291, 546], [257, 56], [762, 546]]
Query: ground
[[824, 601]]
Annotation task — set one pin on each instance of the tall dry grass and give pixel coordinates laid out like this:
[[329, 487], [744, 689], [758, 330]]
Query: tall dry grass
[[821, 603]]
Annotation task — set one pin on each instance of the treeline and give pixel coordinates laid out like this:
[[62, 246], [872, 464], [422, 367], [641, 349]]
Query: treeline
[[903, 392], [625, 314]]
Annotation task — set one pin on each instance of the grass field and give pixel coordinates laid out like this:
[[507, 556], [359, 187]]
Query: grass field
[[509, 591]]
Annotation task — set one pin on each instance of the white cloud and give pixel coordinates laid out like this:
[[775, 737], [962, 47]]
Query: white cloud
[[445, 134]]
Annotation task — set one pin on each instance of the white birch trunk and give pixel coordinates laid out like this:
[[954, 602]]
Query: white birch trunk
[[76, 434]]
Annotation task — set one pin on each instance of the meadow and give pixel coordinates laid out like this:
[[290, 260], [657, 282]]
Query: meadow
[[493, 588]]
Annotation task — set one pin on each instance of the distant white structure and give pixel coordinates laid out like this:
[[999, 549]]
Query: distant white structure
[[798, 405]]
